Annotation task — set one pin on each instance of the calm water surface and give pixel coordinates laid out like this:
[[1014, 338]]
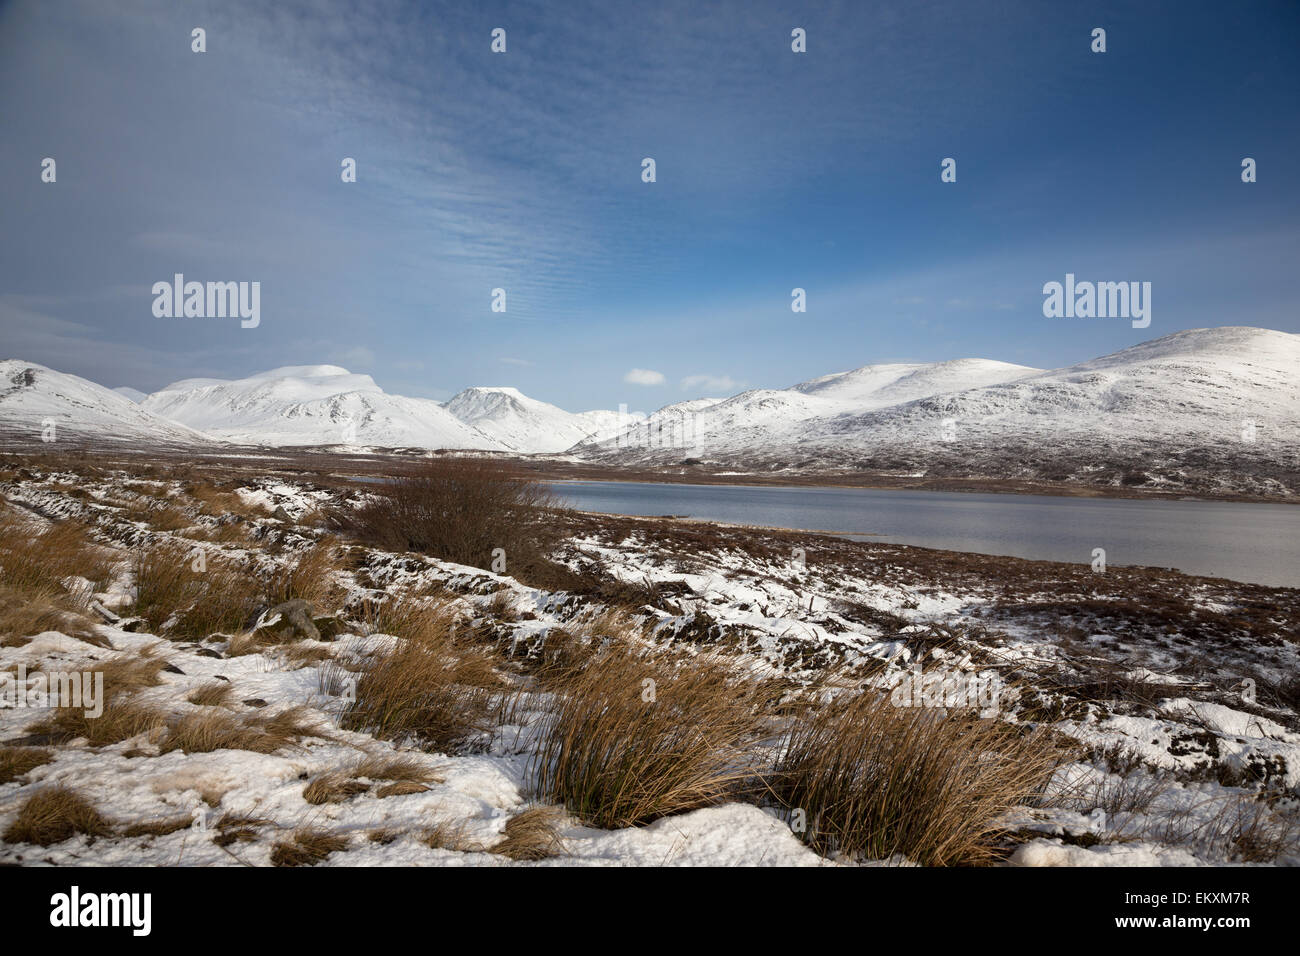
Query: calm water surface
[[1259, 543]]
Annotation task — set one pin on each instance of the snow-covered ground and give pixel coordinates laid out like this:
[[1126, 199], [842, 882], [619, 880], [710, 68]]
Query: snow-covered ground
[[1143, 673]]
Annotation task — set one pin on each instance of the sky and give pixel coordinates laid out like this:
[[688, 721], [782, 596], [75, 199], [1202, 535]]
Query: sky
[[522, 171]]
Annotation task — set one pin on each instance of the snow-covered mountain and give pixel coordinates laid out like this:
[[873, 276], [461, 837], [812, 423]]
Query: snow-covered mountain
[[1201, 410], [519, 423], [40, 404], [312, 405], [764, 418]]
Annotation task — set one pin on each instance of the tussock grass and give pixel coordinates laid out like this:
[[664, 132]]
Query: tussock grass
[[122, 717], [532, 835], [174, 597], [121, 720], [307, 847], [310, 577], [156, 828], [874, 780], [214, 500], [400, 788], [395, 767], [429, 689], [16, 761], [24, 614], [632, 737], [54, 814], [215, 694], [33, 571], [334, 786], [214, 729], [41, 562], [305, 654], [449, 835]]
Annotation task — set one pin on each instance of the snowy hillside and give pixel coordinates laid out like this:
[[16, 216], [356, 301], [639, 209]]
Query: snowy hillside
[[32, 397], [312, 405], [519, 423], [1204, 409]]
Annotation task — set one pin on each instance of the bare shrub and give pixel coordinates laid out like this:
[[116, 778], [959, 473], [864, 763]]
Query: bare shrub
[[459, 509]]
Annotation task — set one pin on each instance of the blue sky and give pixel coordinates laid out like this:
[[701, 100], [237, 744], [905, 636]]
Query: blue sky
[[522, 171]]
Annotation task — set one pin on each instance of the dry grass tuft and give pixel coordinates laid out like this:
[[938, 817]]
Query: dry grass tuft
[[307, 847], [155, 828], [214, 729], [16, 761], [39, 562], [430, 689], [311, 578], [401, 788], [533, 835], [874, 780], [121, 720], [52, 815], [450, 835], [175, 597], [633, 737], [395, 767], [215, 694], [335, 786]]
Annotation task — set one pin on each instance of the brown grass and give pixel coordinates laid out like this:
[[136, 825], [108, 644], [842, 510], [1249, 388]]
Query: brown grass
[[155, 828], [215, 694], [24, 614], [532, 835], [191, 603], [214, 729], [37, 562], [449, 835], [432, 690], [121, 720], [311, 578], [334, 786], [616, 758], [16, 761], [874, 780], [54, 814], [307, 847]]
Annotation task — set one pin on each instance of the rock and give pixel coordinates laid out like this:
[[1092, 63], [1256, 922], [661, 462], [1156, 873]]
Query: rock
[[297, 614], [207, 652], [254, 702], [173, 669], [279, 514]]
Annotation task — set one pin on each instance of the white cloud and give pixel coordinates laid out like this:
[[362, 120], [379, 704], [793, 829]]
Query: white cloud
[[644, 376], [710, 383]]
